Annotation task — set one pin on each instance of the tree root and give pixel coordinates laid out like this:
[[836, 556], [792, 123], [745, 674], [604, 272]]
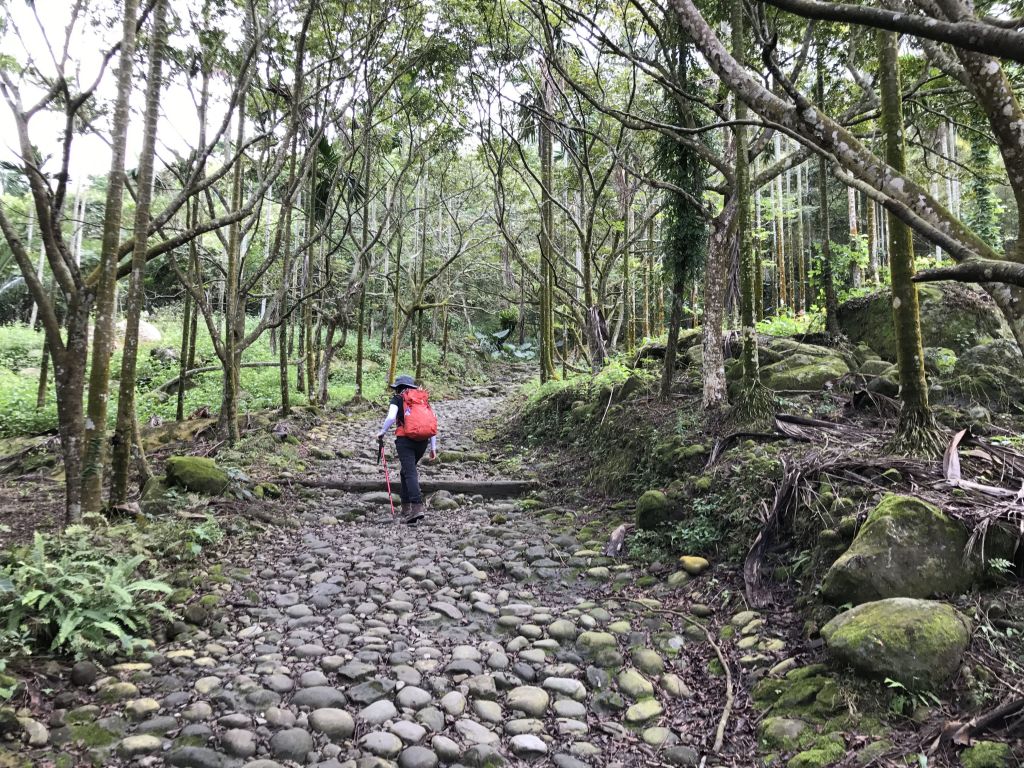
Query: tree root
[[729, 694], [755, 405], [917, 434]]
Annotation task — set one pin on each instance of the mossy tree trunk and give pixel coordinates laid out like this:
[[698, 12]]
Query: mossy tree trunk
[[754, 401], [828, 283], [916, 431], [720, 255]]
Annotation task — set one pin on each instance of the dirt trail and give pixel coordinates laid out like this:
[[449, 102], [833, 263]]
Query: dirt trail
[[483, 635]]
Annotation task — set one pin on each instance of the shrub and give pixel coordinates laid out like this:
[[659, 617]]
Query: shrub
[[68, 599]]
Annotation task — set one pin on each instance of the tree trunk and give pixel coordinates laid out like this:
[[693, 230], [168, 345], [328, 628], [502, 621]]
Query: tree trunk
[[800, 288], [720, 256], [234, 310], [828, 284], [872, 241], [547, 340], [103, 333], [671, 345], [916, 432], [186, 323], [125, 428], [754, 402], [856, 277], [44, 375]]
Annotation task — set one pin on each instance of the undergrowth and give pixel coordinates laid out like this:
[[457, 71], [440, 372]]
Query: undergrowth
[[21, 348], [96, 587]]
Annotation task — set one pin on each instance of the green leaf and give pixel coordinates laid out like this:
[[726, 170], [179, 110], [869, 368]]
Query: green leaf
[[69, 625], [150, 585]]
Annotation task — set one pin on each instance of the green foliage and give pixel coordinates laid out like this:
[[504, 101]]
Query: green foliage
[[20, 350], [785, 323], [62, 596], [904, 701], [18, 414], [684, 225]]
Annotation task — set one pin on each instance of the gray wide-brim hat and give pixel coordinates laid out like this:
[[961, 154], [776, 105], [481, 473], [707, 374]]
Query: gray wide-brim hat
[[404, 381]]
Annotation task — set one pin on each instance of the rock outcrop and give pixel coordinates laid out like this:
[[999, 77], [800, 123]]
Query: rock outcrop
[[954, 316]]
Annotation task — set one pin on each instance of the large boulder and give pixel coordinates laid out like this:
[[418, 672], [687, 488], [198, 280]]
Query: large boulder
[[197, 474], [918, 643], [954, 316], [799, 372], [992, 372], [906, 548]]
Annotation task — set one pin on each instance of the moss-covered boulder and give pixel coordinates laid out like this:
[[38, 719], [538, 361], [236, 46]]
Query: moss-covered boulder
[[906, 548], [939, 361], [652, 510], [876, 367], [987, 754], [917, 642], [954, 316], [991, 373], [196, 474], [803, 372]]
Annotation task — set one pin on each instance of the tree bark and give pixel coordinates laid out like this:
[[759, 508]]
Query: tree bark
[[720, 257], [916, 431], [828, 283], [103, 332], [126, 427]]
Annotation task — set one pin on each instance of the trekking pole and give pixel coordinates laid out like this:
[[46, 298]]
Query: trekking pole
[[387, 477]]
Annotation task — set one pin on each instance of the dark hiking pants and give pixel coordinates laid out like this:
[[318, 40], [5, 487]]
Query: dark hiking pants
[[409, 453]]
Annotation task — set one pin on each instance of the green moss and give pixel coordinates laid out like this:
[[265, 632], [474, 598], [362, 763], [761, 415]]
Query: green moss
[[196, 473], [652, 510], [92, 735], [210, 601], [986, 754], [906, 548], [917, 642], [715, 668], [702, 483], [820, 757], [727, 632], [803, 373], [813, 697]]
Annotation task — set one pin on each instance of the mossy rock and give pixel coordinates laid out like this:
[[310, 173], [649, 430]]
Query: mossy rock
[[456, 457], [781, 733], [939, 361], [652, 510], [803, 372], [986, 754], [875, 367], [919, 643], [812, 696], [819, 757], [197, 474], [906, 548], [953, 316]]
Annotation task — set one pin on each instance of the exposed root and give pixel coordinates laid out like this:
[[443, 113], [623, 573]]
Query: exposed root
[[917, 434], [755, 405]]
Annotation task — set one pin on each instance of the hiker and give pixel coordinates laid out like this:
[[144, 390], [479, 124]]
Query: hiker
[[417, 429]]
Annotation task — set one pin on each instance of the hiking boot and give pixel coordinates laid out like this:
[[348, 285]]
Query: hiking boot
[[415, 514], [406, 510]]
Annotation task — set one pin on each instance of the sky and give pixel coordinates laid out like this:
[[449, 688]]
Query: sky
[[28, 36]]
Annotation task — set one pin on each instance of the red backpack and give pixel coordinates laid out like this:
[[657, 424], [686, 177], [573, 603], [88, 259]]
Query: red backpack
[[418, 419]]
